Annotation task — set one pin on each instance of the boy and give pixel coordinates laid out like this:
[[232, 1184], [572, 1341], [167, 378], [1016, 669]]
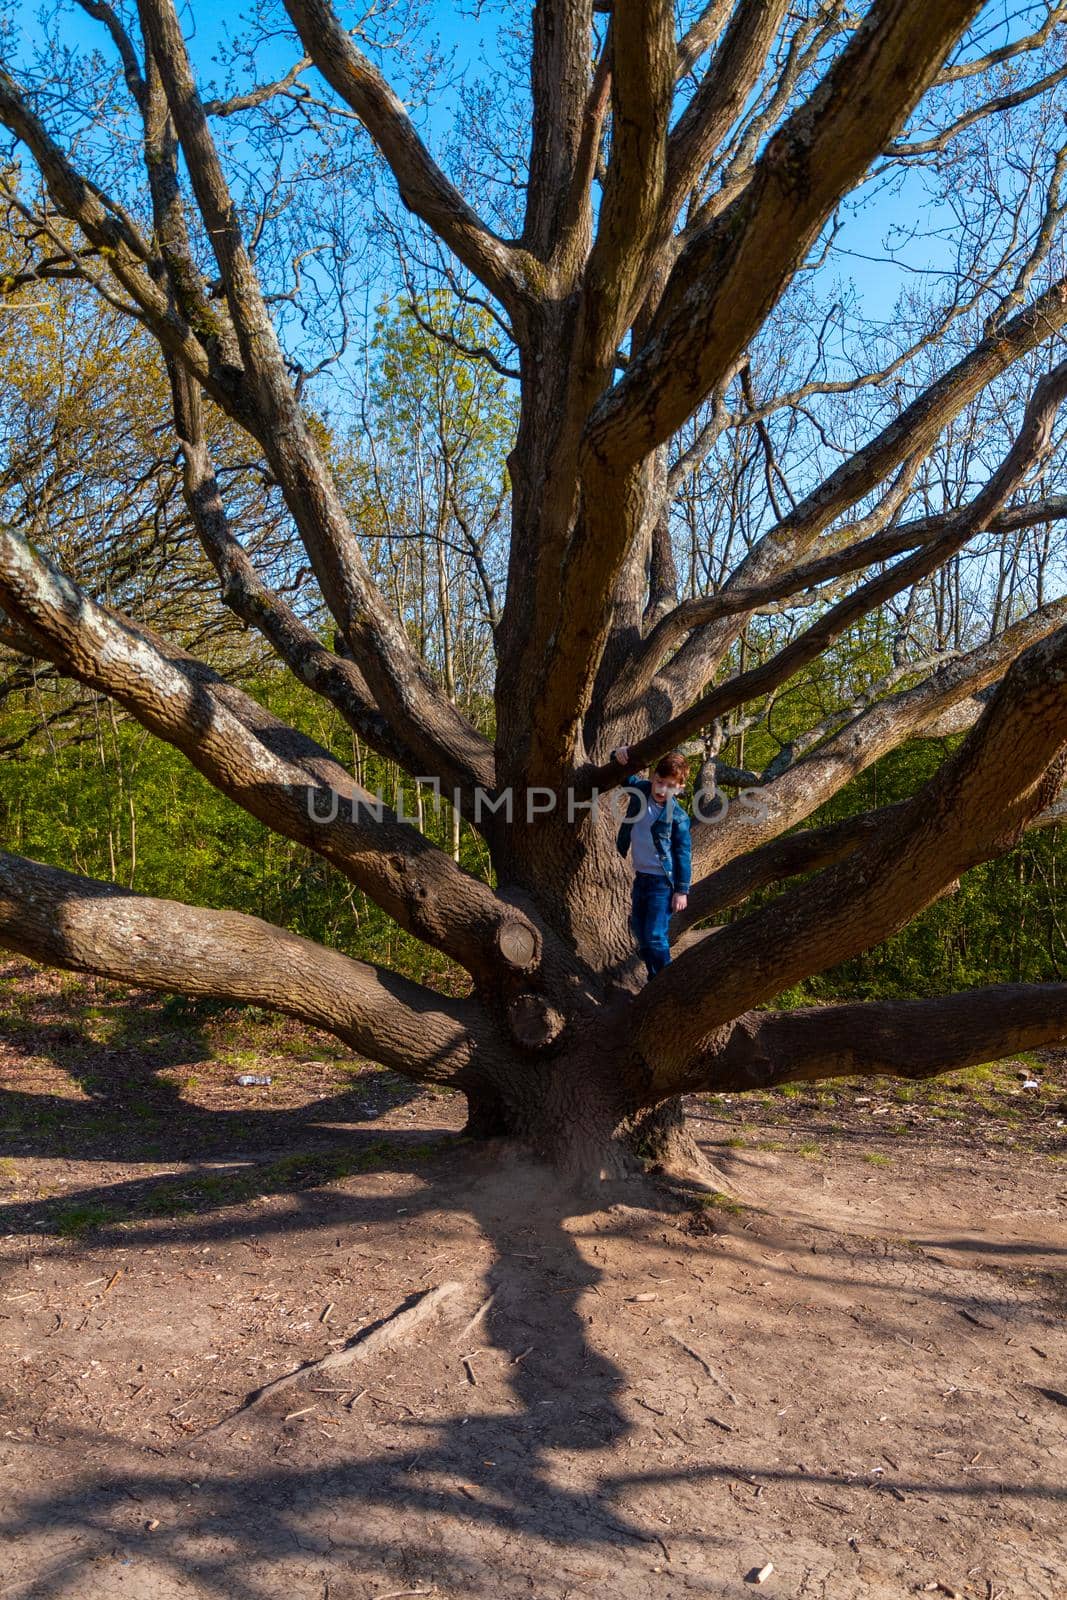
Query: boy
[[657, 826]]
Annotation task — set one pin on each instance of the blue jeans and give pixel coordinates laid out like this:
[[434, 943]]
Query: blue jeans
[[649, 915]]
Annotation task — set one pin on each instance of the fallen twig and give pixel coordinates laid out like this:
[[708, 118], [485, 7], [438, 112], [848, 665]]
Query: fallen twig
[[654, 1409], [712, 1374]]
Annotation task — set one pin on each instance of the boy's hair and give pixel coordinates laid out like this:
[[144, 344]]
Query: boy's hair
[[673, 766]]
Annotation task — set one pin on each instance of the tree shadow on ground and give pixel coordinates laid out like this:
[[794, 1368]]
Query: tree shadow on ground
[[440, 1502], [487, 1468], [131, 1113]]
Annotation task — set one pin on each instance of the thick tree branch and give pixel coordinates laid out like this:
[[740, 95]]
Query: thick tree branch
[[642, 86], [571, 227], [810, 850], [15, 638], [702, 34], [564, 123], [65, 920], [1009, 768], [131, 67], [116, 239], [731, 273], [780, 858], [721, 97], [921, 711], [804, 577], [816, 35], [1029, 448], [735, 600], [258, 96], [399, 681], [328, 674], [910, 435], [911, 1039], [270, 770], [721, 288]]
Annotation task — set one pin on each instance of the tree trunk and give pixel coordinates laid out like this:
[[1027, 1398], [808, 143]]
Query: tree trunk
[[643, 277]]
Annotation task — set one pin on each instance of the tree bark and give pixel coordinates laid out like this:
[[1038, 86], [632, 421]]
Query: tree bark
[[70, 921], [658, 226]]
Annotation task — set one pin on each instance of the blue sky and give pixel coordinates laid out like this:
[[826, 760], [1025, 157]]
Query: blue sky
[[472, 43]]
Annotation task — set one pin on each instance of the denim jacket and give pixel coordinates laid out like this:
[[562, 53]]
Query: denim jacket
[[670, 834]]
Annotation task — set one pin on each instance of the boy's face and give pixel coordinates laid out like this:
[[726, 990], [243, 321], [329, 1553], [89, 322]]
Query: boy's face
[[662, 787]]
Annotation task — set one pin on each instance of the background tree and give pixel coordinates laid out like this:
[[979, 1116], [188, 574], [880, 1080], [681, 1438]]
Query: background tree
[[663, 271]]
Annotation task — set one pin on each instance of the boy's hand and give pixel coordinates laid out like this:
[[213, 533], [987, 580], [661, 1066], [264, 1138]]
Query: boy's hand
[[622, 754], [679, 902]]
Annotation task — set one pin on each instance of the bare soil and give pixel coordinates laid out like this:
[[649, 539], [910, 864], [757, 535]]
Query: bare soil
[[852, 1369]]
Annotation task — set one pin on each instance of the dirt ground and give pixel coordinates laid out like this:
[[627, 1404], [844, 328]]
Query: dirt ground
[[852, 1371]]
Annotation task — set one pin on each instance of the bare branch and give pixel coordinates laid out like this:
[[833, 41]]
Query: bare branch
[[695, 454], [424, 188], [784, 857], [642, 86], [731, 272], [571, 229], [258, 96], [791, 582], [1007, 52], [131, 67], [911, 434], [1001, 102], [1027, 451], [398, 680], [115, 237], [721, 288], [335, 678]]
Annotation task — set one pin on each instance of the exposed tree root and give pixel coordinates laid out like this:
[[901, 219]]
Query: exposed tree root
[[367, 1344], [664, 1145]]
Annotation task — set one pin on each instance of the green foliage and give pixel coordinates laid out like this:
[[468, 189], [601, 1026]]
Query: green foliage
[[123, 806], [1003, 924]]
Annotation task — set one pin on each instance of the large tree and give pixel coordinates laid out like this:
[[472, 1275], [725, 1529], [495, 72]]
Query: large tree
[[680, 175]]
